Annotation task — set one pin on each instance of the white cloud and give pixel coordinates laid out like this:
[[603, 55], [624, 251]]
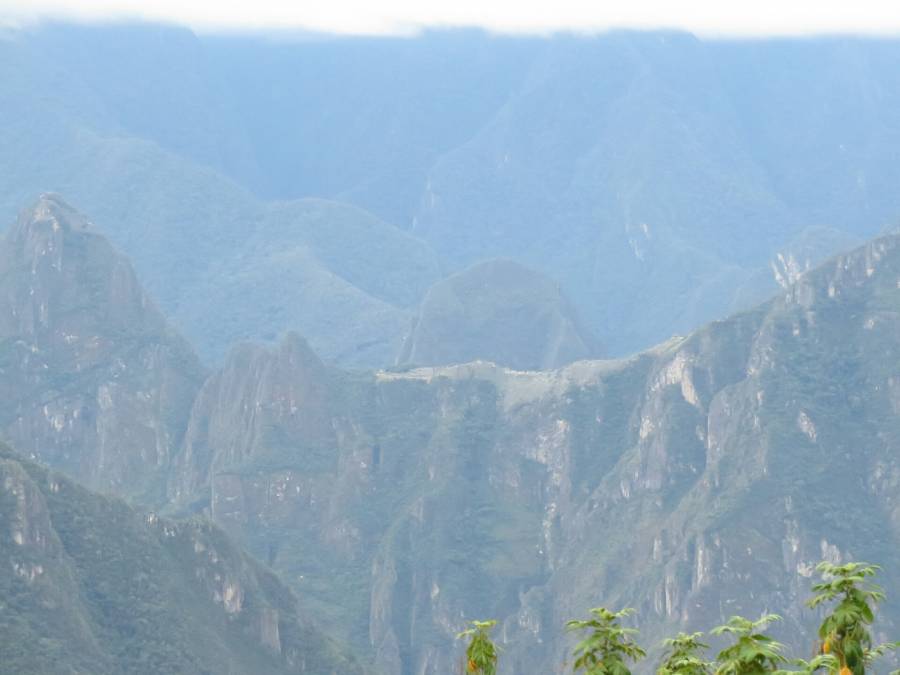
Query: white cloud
[[710, 17]]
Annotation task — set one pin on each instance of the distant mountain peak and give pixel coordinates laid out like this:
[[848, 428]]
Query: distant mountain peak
[[52, 205], [89, 360], [265, 402], [501, 311], [62, 261], [50, 214], [297, 349]]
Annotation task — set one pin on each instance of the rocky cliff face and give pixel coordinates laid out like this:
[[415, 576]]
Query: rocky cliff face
[[725, 464], [260, 407], [755, 447], [498, 311], [697, 480], [92, 380], [91, 586]]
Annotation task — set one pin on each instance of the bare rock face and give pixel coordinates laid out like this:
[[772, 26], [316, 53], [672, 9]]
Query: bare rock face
[[498, 311], [261, 405], [92, 379]]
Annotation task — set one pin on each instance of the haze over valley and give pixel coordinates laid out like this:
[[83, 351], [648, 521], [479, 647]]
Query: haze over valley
[[314, 349]]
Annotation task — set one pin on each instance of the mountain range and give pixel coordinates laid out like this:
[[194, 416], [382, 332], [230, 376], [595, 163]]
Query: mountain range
[[364, 338], [322, 184], [401, 502]]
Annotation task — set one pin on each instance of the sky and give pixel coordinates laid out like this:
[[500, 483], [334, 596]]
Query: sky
[[704, 17]]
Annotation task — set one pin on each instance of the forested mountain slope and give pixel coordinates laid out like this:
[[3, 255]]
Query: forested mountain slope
[[498, 311], [89, 586]]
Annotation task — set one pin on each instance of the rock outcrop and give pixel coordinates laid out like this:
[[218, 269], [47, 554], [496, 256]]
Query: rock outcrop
[[264, 406], [92, 379]]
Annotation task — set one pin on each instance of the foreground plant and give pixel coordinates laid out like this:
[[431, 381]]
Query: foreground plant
[[846, 646], [683, 656], [608, 647], [754, 652], [845, 631], [481, 654], [803, 667]]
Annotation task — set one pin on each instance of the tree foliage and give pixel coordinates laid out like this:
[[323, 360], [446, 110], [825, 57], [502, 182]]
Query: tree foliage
[[844, 633], [811, 667], [481, 653], [753, 652], [608, 647], [683, 656], [845, 649]]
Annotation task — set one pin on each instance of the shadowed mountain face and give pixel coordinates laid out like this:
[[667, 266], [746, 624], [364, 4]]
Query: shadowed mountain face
[[498, 311], [646, 173], [90, 586]]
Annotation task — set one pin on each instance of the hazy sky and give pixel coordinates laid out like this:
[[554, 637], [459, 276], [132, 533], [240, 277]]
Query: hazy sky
[[747, 17]]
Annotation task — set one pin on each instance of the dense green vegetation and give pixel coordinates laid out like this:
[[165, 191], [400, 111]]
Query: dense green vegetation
[[498, 311], [845, 632], [92, 587], [684, 656], [481, 652], [608, 647]]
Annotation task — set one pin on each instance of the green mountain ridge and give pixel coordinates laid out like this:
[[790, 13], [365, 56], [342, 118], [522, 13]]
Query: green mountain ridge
[[498, 311], [92, 586]]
